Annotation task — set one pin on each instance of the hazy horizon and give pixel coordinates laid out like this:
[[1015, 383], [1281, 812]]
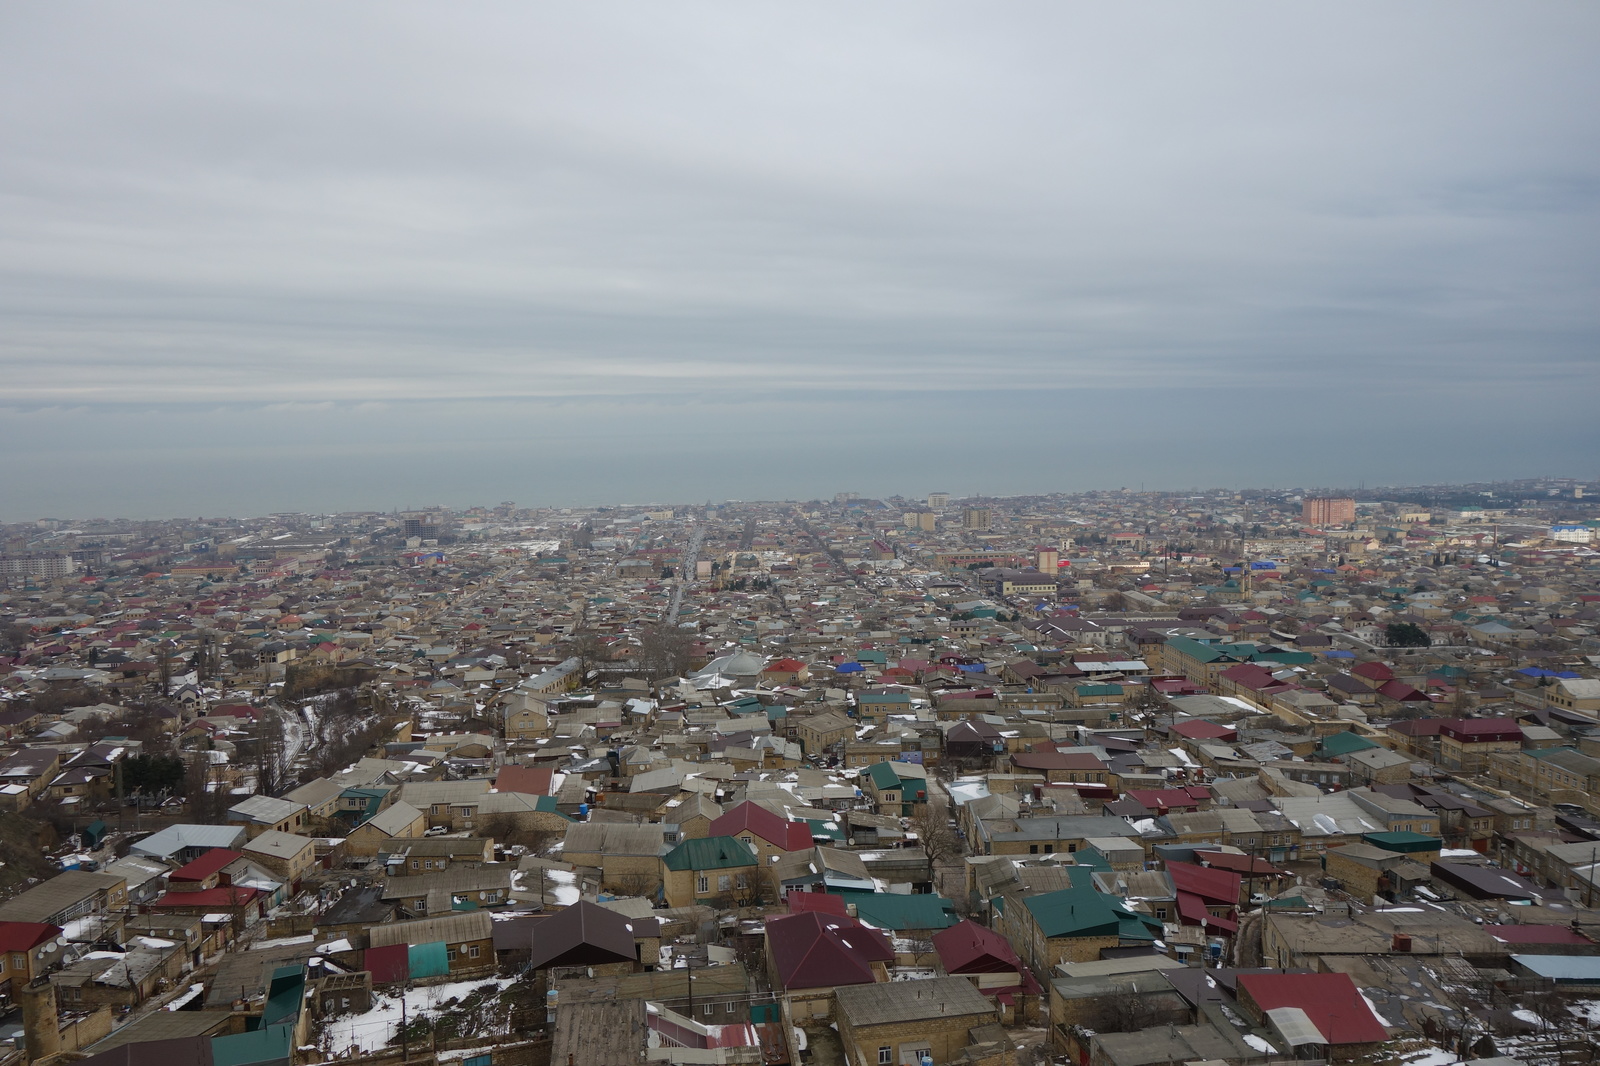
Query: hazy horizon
[[371, 256]]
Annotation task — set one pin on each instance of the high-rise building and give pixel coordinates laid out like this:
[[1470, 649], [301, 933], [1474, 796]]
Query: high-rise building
[[1049, 560], [976, 518], [1328, 511], [938, 501]]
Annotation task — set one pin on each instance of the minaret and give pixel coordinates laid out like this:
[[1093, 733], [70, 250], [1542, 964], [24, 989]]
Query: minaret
[[1246, 581]]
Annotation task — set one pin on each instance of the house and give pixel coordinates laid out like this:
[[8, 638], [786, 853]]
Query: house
[[259, 814], [28, 772], [878, 704], [466, 939], [66, 896], [443, 891], [1071, 925], [717, 871], [415, 855], [769, 834], [1206, 897], [178, 844], [819, 732], [27, 950], [1466, 744], [286, 855], [911, 1022], [401, 821], [1315, 1014], [821, 869], [585, 934], [628, 856], [896, 788], [984, 957], [810, 954]]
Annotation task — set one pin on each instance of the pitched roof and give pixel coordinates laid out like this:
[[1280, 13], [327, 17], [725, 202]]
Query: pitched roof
[[1200, 729], [21, 936], [710, 853], [972, 948], [1331, 1002], [583, 934], [813, 950], [533, 780], [1221, 886], [790, 836], [205, 866]]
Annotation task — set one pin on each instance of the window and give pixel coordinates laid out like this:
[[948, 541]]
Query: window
[[702, 884], [19, 961], [1033, 849], [450, 954], [724, 882], [414, 863], [491, 897], [472, 951], [420, 907], [885, 1056]]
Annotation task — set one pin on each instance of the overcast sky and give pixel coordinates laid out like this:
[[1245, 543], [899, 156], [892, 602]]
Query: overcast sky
[[308, 256]]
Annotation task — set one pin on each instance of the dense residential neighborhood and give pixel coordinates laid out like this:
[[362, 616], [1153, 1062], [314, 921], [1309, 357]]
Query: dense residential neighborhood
[[1110, 779]]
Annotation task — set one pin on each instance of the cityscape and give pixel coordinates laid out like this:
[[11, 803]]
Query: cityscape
[[716, 534], [1120, 777]]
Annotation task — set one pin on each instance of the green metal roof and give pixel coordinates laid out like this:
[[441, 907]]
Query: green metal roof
[[1403, 842], [1074, 912], [883, 775], [889, 910], [1099, 690], [710, 853], [270, 1045], [1345, 742]]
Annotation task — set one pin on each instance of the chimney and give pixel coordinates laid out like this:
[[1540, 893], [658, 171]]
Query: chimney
[[1402, 942]]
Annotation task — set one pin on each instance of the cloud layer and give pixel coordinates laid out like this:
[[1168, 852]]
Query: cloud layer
[[783, 214]]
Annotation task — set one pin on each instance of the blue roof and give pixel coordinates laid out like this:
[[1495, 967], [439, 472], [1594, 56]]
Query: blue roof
[[1562, 967], [1339, 653]]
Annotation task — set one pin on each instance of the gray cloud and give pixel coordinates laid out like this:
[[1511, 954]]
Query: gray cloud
[[920, 206]]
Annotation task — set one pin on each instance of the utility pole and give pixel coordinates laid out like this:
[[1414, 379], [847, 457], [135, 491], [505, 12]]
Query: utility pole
[[405, 1041]]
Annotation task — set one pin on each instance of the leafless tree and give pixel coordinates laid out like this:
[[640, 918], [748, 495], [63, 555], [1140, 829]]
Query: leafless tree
[[664, 651], [938, 841], [272, 773]]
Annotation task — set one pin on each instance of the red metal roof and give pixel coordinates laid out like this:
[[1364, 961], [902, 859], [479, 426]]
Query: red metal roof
[[1200, 729], [1330, 1000], [20, 936], [802, 902], [790, 836], [968, 947], [529, 780], [820, 950], [210, 898], [1217, 886], [206, 865], [1537, 934]]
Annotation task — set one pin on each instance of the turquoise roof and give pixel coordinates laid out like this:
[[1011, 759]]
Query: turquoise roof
[[892, 910], [710, 853]]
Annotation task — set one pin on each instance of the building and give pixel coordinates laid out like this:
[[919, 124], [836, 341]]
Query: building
[[976, 518], [911, 1022], [1328, 511]]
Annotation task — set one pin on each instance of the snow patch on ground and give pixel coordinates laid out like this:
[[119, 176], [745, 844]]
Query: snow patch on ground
[[373, 1030]]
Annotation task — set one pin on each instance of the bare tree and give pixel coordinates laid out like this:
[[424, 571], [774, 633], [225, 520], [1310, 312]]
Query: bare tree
[[203, 790], [938, 841], [270, 765], [664, 651], [590, 649]]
